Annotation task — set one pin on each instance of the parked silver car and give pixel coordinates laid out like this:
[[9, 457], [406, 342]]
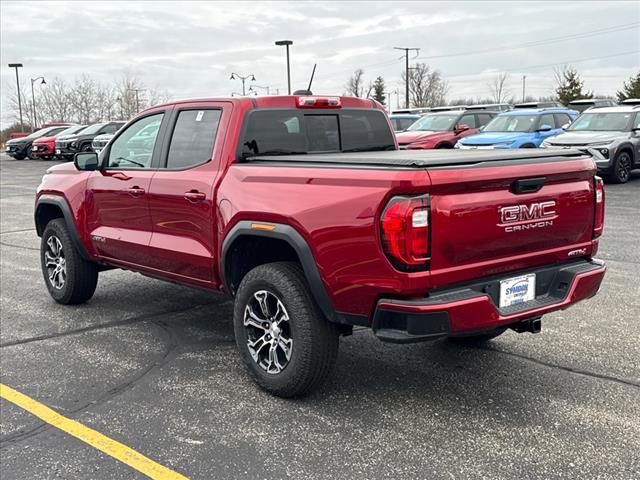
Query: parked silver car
[[610, 134], [99, 142]]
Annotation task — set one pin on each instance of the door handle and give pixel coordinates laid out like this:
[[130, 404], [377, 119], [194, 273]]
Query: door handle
[[195, 196], [136, 191]]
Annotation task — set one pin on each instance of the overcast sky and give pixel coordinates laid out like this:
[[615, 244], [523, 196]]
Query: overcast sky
[[191, 48]]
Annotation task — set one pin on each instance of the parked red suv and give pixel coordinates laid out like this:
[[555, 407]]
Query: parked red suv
[[44, 147], [443, 129], [302, 210]]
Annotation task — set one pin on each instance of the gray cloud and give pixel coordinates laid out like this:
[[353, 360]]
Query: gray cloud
[[190, 48]]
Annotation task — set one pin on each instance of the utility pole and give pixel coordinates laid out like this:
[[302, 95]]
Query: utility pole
[[406, 71], [137, 90], [17, 66], [524, 77]]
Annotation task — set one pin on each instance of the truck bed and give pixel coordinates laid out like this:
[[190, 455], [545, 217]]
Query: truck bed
[[424, 158]]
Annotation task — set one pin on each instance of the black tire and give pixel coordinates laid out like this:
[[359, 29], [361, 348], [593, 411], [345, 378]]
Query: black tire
[[86, 148], [80, 276], [621, 168], [528, 145], [314, 340], [474, 340], [19, 157]]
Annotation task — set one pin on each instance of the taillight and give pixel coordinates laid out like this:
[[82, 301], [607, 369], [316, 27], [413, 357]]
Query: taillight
[[319, 102], [404, 226], [598, 224]]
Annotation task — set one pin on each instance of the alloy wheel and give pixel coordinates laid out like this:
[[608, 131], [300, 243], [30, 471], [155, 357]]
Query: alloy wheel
[[623, 168], [55, 263], [266, 322]]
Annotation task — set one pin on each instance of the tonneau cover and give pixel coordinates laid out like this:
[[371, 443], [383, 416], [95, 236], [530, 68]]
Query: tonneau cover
[[425, 158]]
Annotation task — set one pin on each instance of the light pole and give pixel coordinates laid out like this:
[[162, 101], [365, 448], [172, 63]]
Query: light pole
[[286, 43], [33, 99], [253, 87], [524, 77], [244, 79], [17, 66]]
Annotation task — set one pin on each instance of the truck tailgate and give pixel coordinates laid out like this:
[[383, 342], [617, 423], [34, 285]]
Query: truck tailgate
[[488, 219]]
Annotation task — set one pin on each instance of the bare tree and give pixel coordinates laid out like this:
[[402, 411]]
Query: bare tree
[[56, 102], [355, 83], [427, 88], [497, 88]]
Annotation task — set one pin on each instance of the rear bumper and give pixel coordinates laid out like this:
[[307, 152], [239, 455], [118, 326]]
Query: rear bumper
[[472, 308]]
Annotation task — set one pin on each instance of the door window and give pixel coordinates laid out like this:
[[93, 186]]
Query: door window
[[561, 119], [193, 138], [469, 120], [134, 147], [111, 128], [546, 119], [483, 119]]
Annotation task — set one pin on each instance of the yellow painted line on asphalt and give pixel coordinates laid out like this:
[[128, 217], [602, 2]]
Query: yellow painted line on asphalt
[[97, 440]]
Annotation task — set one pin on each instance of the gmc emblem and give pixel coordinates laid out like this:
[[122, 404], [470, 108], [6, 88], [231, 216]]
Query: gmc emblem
[[527, 217]]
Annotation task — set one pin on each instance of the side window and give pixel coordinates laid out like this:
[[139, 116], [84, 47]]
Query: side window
[[134, 148], [110, 128], [637, 121], [561, 119], [546, 119], [193, 137], [483, 119], [468, 119]]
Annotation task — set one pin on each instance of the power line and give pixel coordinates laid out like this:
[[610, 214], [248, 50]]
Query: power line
[[575, 36], [406, 74]]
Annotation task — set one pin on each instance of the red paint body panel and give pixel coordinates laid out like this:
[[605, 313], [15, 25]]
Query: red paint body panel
[[417, 140], [336, 211], [46, 146]]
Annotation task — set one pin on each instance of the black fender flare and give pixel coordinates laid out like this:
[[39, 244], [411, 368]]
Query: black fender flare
[[309, 267], [62, 204], [628, 146]]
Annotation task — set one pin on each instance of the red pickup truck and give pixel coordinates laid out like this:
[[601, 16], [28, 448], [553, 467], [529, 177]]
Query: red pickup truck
[[303, 210]]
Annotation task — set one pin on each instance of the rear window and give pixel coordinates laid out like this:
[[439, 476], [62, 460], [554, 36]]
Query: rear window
[[282, 132]]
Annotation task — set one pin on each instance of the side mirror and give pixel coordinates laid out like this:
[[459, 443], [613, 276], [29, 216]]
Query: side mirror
[[565, 126], [86, 161], [544, 128], [463, 127]]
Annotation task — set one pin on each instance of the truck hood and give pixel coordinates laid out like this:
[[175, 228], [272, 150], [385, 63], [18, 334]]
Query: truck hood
[[585, 138], [492, 138], [417, 136], [42, 140], [63, 168]]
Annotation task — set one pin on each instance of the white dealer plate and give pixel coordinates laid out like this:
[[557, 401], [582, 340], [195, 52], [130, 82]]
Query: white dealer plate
[[517, 290], [57, 151], [34, 147]]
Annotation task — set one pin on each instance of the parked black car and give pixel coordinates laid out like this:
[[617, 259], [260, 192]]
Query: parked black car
[[20, 148], [67, 147]]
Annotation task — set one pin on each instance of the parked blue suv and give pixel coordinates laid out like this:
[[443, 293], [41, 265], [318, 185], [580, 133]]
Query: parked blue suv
[[526, 128]]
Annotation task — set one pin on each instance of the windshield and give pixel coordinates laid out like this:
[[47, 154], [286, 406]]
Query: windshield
[[435, 123], [282, 132], [602, 122], [93, 128], [72, 130], [511, 123]]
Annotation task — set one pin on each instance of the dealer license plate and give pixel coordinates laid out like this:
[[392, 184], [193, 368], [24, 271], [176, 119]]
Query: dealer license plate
[[517, 290], [57, 151]]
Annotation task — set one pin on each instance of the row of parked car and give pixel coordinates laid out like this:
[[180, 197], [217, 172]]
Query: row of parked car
[[62, 141], [610, 134]]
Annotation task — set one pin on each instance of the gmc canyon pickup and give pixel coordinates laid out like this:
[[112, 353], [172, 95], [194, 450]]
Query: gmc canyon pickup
[[302, 209]]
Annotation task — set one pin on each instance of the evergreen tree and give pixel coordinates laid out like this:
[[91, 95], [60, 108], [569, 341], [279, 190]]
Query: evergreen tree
[[378, 90], [630, 89], [570, 86]]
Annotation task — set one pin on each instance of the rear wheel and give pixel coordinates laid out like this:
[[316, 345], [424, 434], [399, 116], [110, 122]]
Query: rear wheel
[[621, 169], [472, 340], [86, 148], [285, 342], [70, 279]]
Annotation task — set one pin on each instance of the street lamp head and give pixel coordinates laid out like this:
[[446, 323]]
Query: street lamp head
[[15, 65], [253, 78], [43, 82], [233, 77], [284, 42]]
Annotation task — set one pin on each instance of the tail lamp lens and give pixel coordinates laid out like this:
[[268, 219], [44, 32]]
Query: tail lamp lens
[[405, 231], [598, 224]]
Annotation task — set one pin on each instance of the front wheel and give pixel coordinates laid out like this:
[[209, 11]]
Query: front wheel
[[285, 342], [70, 279], [621, 169]]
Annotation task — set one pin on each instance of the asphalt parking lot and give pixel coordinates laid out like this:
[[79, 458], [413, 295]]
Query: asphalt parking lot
[[154, 366]]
